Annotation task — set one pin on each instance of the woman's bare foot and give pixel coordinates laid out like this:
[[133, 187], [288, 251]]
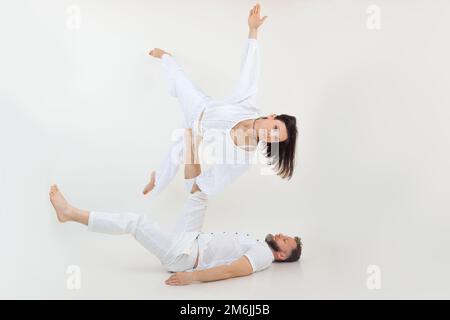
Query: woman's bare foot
[[62, 207], [149, 187], [158, 53]]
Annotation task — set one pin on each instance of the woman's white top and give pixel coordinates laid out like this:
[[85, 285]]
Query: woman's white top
[[221, 160]]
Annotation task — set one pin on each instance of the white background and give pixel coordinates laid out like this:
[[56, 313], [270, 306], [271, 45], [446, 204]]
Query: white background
[[88, 109]]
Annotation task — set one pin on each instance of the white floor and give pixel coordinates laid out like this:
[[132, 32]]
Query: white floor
[[87, 109]]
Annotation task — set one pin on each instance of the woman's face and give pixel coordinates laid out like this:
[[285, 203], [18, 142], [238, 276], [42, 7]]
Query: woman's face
[[271, 130]]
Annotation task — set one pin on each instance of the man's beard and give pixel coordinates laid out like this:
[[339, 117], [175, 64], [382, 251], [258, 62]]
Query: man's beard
[[271, 242]]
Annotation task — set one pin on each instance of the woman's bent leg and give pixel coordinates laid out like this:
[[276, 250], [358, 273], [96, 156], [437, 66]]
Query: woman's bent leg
[[168, 167]]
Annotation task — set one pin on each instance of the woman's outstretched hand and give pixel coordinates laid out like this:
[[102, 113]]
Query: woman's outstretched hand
[[158, 53], [254, 18]]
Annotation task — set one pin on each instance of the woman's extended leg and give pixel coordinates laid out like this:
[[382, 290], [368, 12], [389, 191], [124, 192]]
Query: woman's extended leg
[[190, 97]]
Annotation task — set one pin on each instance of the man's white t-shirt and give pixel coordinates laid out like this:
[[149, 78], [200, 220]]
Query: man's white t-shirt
[[224, 248]]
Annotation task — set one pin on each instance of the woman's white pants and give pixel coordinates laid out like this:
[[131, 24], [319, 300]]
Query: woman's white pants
[[192, 101]]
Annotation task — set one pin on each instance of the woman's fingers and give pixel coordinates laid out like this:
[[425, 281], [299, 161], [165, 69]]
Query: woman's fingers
[[255, 10]]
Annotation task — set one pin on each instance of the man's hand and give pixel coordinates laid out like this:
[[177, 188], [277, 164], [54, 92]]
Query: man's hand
[[180, 279], [190, 150], [192, 168], [254, 19], [192, 145]]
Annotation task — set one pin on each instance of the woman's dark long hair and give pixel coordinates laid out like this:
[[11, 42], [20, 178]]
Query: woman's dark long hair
[[283, 161]]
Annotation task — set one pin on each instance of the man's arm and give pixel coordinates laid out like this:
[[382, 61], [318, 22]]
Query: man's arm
[[238, 268], [192, 167]]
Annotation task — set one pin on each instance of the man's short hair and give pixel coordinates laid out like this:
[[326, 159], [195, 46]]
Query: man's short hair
[[297, 252]]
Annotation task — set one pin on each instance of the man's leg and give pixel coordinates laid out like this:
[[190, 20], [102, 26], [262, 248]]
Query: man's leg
[[193, 213], [145, 230], [64, 211]]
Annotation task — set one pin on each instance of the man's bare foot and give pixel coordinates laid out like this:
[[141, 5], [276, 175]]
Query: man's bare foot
[[149, 187], [158, 53], [62, 207]]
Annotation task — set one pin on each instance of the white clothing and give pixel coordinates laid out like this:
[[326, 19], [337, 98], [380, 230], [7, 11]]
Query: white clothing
[[178, 250], [220, 249], [218, 118]]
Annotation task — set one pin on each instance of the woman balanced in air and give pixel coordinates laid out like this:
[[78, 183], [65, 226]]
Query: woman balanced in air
[[228, 131]]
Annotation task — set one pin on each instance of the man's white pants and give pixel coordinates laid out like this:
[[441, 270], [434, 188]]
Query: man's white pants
[[177, 250]]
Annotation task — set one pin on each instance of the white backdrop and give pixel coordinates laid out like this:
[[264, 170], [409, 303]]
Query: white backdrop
[[83, 105]]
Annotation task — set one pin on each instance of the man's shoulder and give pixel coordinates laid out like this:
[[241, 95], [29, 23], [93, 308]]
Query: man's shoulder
[[261, 248]]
